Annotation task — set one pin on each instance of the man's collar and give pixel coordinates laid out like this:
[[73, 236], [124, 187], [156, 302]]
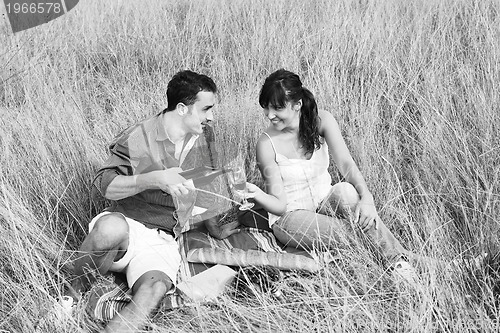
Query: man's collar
[[161, 131]]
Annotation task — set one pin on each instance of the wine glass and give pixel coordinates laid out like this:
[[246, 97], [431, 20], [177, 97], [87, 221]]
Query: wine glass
[[239, 182]]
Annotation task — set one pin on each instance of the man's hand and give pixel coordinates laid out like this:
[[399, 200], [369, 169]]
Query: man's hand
[[223, 231], [182, 189], [170, 181]]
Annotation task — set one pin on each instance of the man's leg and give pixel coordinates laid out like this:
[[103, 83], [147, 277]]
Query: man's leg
[[151, 273], [148, 292], [107, 242]]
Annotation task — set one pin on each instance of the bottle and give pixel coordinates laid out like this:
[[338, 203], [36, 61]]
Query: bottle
[[203, 175]]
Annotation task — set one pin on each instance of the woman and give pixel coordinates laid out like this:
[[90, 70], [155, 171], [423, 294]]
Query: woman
[[293, 158]]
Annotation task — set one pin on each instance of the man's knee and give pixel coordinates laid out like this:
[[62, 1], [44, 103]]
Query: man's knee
[[153, 284], [110, 231]]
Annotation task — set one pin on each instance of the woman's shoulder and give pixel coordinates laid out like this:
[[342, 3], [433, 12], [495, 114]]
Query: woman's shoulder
[[327, 121], [265, 145], [323, 114], [265, 140], [268, 134], [264, 136]]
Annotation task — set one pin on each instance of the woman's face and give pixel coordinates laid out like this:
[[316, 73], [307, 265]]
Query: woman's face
[[286, 117]]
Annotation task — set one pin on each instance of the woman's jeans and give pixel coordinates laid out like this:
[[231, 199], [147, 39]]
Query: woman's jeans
[[330, 226]]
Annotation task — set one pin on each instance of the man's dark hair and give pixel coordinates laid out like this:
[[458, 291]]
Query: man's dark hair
[[185, 85]]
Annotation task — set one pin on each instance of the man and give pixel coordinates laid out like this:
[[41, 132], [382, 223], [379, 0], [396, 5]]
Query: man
[[136, 235]]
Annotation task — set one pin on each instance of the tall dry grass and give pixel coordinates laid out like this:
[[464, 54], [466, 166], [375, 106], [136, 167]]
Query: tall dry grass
[[412, 84]]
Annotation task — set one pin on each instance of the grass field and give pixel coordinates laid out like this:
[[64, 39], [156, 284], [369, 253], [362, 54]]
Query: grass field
[[413, 85]]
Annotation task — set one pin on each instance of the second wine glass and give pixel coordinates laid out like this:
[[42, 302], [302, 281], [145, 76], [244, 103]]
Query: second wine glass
[[239, 182]]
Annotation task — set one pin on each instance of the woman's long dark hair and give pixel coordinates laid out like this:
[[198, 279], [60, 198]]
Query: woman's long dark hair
[[284, 86]]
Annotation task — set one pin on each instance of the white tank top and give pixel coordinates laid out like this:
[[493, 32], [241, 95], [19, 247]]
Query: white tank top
[[306, 182]]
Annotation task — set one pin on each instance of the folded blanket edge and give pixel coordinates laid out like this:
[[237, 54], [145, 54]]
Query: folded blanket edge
[[244, 258]]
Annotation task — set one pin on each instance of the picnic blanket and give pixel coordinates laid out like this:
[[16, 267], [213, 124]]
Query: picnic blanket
[[254, 245], [250, 247]]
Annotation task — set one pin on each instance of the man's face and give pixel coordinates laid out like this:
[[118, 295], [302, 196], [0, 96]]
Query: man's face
[[200, 112]]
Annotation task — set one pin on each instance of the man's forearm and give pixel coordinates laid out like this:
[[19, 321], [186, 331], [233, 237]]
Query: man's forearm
[[126, 186]]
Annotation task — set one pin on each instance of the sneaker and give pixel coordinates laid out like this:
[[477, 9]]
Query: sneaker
[[403, 270], [59, 311], [475, 263], [479, 261], [67, 304]]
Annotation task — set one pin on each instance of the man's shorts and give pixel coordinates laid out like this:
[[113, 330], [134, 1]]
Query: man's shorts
[[148, 250]]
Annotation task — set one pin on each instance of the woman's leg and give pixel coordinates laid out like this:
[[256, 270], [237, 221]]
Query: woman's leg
[[307, 230], [342, 202]]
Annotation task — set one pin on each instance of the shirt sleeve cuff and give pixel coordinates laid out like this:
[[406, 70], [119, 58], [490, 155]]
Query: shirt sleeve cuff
[[103, 180]]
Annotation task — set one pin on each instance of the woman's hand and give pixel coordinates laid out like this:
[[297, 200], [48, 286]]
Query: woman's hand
[[366, 214], [269, 202], [252, 191]]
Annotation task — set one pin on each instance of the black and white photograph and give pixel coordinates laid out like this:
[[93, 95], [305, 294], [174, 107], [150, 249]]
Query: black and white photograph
[[249, 166]]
